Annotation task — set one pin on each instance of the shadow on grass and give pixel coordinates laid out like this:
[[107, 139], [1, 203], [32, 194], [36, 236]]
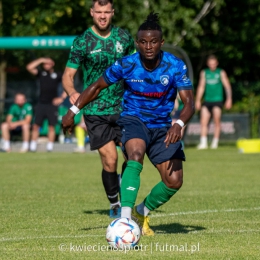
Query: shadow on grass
[[174, 228]]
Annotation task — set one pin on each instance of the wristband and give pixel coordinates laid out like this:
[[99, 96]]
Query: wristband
[[74, 109], [180, 123]]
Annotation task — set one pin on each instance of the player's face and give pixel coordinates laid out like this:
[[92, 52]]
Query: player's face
[[149, 43], [212, 64], [102, 16], [20, 100]]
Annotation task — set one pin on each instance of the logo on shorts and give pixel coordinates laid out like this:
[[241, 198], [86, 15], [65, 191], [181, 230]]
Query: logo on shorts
[[164, 80], [130, 188]]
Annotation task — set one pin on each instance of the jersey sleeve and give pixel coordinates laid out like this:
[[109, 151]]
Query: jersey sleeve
[[114, 73], [182, 82], [77, 52], [131, 45], [29, 110], [11, 110]]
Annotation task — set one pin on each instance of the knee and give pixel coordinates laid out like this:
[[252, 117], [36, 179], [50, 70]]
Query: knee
[[4, 126], [26, 127], [109, 163], [175, 180], [136, 156]]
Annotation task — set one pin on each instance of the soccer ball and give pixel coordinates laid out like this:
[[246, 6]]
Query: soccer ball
[[123, 233]]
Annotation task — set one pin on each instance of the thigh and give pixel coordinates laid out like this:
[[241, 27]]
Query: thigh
[[205, 115], [102, 130]]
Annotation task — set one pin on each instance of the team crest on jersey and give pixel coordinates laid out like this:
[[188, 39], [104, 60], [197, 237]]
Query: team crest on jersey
[[119, 47], [164, 80]]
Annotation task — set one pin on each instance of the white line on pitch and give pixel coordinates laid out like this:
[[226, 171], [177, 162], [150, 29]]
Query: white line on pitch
[[203, 212]]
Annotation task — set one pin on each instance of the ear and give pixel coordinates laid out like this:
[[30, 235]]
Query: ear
[[91, 12], [162, 42], [113, 12]]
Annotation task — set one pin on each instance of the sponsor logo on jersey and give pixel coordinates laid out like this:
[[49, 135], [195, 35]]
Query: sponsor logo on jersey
[[164, 80], [119, 47], [99, 50], [137, 80], [151, 94]]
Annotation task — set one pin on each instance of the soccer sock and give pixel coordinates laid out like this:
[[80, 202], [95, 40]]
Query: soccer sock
[[204, 140], [33, 145], [214, 142], [159, 195], [25, 145], [80, 135], [6, 144], [130, 183], [142, 209], [110, 182], [126, 212], [49, 146]]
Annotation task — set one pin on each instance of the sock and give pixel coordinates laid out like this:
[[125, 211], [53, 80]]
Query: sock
[[159, 195], [49, 146], [126, 212], [214, 142], [110, 182], [204, 140], [114, 204], [33, 145], [80, 135], [6, 144], [142, 209], [25, 145], [130, 183]]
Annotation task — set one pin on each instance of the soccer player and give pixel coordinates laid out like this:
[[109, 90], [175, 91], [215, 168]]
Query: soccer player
[[49, 100], [152, 79], [94, 51], [18, 120], [210, 85]]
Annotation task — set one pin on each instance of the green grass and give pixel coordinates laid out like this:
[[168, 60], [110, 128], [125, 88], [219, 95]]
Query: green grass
[[52, 204]]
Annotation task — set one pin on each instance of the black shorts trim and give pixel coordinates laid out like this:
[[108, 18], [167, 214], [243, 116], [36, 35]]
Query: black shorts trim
[[102, 130]]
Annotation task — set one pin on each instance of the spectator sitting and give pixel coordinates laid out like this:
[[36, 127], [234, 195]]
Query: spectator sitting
[[18, 120]]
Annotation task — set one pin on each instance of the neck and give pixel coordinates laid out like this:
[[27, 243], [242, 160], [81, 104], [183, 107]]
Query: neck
[[151, 64], [103, 34]]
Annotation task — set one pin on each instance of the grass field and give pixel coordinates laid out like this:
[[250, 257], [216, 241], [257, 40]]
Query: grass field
[[53, 207]]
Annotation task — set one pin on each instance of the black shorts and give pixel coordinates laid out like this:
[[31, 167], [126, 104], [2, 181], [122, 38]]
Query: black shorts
[[210, 105], [16, 131], [46, 111], [133, 127], [102, 130]]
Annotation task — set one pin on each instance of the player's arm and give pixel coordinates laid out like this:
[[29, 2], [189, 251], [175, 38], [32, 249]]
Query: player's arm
[[200, 90], [26, 121], [68, 84], [228, 89], [174, 134], [32, 66], [86, 97]]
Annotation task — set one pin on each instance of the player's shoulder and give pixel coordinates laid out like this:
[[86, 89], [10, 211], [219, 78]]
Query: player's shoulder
[[123, 33], [172, 58]]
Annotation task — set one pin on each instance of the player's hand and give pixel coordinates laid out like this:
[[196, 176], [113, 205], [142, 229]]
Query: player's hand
[[173, 135], [68, 122], [228, 104], [57, 101], [74, 97]]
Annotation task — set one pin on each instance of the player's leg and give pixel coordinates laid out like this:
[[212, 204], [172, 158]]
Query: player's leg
[[6, 147], [216, 111], [102, 137], [39, 117], [52, 117], [25, 137], [204, 121]]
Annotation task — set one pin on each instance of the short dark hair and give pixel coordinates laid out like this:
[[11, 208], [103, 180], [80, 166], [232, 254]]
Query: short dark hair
[[102, 2], [151, 23], [212, 57]]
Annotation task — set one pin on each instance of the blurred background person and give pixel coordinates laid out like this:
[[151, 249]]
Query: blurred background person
[[210, 88], [49, 100], [18, 120]]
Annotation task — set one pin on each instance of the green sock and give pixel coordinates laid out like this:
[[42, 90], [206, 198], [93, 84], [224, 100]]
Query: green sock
[[130, 183], [159, 195]]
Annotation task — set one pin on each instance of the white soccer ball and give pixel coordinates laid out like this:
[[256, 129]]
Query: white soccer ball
[[123, 233]]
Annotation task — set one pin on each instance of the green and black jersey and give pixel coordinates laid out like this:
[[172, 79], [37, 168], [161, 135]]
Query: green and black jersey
[[95, 54]]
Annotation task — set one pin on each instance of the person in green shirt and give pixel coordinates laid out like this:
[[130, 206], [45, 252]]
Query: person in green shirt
[[94, 51], [210, 88], [18, 120]]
